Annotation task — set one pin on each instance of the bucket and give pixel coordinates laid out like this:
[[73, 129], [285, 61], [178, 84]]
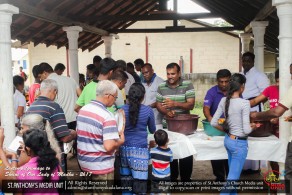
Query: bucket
[[265, 130], [210, 130], [183, 123]]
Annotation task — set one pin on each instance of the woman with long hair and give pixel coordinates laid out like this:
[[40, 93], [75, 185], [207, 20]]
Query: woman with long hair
[[43, 164], [236, 125], [134, 153], [31, 121]]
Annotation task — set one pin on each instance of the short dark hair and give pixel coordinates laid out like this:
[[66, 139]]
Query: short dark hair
[[121, 64], [130, 65], [277, 74], [90, 67], [35, 71], [106, 65], [96, 59], [44, 67], [161, 137], [139, 61], [249, 54], [59, 66], [222, 73], [147, 64], [172, 65], [81, 77], [18, 80], [119, 75]]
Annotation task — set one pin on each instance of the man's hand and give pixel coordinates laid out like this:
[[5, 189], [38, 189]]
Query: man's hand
[[170, 113], [253, 116], [274, 120], [168, 103], [288, 119]]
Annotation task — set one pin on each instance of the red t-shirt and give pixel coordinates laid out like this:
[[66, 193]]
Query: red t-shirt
[[272, 93], [32, 90]]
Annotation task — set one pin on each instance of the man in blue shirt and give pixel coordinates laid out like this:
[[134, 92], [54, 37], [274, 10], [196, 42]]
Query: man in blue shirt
[[211, 102]]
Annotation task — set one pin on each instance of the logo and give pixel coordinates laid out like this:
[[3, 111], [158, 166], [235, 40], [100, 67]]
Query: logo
[[272, 179]]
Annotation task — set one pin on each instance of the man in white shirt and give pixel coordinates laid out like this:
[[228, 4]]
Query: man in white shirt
[[256, 82], [151, 83], [68, 90]]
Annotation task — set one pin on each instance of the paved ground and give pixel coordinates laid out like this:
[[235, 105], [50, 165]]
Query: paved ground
[[202, 171]]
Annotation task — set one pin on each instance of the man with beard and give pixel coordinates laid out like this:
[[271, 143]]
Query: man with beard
[[211, 102], [176, 96]]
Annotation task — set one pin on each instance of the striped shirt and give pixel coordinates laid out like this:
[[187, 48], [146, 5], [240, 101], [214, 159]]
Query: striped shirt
[[52, 112], [181, 93], [94, 125], [161, 159]]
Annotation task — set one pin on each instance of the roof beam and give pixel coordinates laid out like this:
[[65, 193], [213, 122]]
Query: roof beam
[[174, 29], [168, 16], [262, 14], [31, 11]]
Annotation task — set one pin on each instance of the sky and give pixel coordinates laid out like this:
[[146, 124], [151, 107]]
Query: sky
[[184, 6], [188, 6]]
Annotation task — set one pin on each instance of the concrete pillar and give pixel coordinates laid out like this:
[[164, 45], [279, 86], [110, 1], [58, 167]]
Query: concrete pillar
[[108, 45], [72, 35], [284, 11], [258, 30], [245, 41], [6, 86]]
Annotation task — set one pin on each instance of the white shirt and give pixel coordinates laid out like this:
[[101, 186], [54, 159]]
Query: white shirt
[[256, 82], [67, 95], [19, 100], [150, 97], [130, 81]]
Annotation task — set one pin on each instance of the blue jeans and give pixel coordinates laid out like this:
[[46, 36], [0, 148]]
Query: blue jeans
[[237, 152]]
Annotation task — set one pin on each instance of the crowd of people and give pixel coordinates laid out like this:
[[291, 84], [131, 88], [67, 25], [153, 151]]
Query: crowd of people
[[63, 111]]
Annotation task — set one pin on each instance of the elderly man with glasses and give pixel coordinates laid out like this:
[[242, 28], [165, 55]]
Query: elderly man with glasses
[[97, 133]]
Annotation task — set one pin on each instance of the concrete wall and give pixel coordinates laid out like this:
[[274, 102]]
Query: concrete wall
[[204, 81], [211, 50]]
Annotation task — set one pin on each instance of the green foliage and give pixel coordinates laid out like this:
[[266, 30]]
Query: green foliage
[[199, 111]]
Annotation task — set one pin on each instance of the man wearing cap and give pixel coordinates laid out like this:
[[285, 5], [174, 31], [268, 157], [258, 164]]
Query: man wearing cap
[[107, 65]]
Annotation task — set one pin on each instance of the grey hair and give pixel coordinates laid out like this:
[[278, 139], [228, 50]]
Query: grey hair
[[106, 87], [49, 84], [36, 121], [33, 121]]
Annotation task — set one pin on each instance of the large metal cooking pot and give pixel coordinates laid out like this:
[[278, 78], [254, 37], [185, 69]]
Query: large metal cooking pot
[[183, 123], [264, 130]]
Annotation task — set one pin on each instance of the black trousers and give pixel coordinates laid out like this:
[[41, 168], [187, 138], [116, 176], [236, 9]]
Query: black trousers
[[71, 125], [184, 167], [220, 169]]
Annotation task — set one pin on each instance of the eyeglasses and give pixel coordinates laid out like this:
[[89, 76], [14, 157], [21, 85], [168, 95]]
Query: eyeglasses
[[116, 97]]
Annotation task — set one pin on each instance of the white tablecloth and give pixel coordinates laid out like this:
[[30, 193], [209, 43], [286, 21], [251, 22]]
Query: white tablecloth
[[260, 148], [205, 147], [180, 145]]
